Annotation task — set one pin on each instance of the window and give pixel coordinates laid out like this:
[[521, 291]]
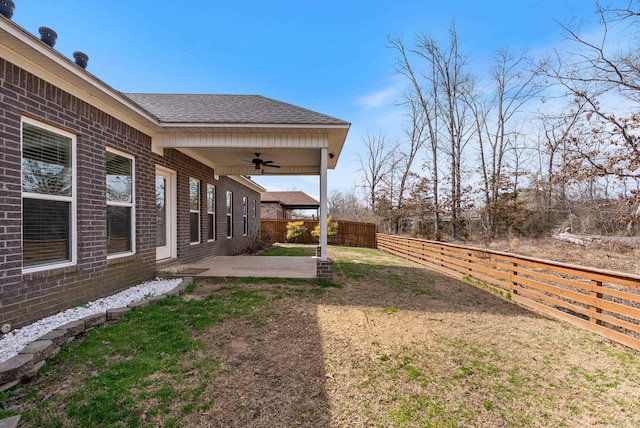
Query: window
[[245, 216], [211, 212], [229, 214], [48, 197], [120, 203], [254, 208], [194, 210]]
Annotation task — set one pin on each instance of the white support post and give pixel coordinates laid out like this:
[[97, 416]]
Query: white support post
[[323, 204]]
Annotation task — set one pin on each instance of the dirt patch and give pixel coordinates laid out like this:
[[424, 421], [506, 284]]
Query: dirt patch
[[273, 370]]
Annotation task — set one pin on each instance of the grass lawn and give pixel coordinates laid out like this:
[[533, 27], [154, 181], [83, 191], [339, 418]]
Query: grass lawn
[[385, 344], [291, 250]]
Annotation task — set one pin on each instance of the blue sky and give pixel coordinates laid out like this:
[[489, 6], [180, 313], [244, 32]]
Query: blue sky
[[328, 56]]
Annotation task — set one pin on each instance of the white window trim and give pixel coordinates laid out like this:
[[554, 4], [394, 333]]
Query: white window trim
[[215, 197], [73, 229], [245, 216], [229, 213], [195, 211], [131, 204], [172, 209]]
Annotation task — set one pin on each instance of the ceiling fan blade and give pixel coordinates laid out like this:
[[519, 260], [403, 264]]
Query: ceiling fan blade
[[272, 166]]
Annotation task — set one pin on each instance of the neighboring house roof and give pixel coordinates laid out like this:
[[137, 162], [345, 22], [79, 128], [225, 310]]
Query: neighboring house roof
[[293, 200], [232, 109]]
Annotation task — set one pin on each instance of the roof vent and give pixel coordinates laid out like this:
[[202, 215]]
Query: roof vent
[[6, 8], [48, 36], [81, 58]]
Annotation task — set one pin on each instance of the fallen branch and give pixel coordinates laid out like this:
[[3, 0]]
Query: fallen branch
[[583, 240]]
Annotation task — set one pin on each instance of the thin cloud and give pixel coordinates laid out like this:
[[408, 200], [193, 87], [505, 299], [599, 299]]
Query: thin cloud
[[385, 97], [381, 98]]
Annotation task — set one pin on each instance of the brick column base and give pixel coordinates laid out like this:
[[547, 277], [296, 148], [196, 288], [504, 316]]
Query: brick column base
[[324, 269]]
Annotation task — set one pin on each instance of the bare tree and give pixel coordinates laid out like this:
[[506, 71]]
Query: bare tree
[[438, 89], [404, 158], [424, 99], [453, 83], [512, 87], [603, 69], [347, 206], [556, 131], [375, 164]]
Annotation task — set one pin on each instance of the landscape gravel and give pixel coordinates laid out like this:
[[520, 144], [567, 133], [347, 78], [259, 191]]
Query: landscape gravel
[[14, 341]]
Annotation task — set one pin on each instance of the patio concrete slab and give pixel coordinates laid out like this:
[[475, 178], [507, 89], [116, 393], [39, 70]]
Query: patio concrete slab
[[247, 266]]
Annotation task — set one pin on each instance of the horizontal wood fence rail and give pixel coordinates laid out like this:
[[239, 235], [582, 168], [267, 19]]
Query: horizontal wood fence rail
[[350, 233], [601, 301]]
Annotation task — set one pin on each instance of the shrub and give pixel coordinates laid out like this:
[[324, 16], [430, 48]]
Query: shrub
[[253, 244], [296, 231], [332, 229]]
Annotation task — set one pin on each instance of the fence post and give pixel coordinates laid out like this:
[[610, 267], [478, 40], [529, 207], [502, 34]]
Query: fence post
[[595, 309], [469, 263], [514, 275]]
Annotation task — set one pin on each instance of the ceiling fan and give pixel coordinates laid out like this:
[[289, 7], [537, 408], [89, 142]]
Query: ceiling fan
[[260, 163]]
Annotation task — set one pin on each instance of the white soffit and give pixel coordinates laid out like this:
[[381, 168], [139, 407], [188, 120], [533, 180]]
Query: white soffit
[[249, 140], [285, 170]]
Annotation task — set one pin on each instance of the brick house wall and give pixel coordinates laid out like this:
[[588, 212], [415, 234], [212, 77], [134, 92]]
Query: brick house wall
[[187, 168], [27, 297], [272, 210]]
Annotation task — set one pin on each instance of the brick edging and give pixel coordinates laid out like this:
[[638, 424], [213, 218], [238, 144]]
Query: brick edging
[[25, 366]]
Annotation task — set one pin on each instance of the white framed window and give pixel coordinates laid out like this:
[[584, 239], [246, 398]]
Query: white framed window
[[229, 214], [49, 231], [254, 208], [211, 212], [121, 215], [194, 210], [245, 216]]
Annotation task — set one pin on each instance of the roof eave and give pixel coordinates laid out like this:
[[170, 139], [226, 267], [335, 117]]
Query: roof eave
[[247, 182], [253, 125]]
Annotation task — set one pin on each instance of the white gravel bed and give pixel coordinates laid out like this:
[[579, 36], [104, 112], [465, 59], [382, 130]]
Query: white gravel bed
[[14, 341]]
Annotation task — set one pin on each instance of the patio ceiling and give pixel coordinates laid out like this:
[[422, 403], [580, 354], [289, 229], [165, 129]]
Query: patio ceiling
[[296, 151]]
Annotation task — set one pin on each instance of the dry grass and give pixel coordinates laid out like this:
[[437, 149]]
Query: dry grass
[[603, 256], [395, 346]]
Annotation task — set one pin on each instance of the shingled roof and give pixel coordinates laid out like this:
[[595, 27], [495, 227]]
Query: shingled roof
[[231, 109], [294, 200]]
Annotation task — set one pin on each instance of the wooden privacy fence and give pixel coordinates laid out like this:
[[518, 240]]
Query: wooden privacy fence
[[350, 233], [602, 301]]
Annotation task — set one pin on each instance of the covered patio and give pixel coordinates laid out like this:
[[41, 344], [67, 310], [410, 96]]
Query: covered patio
[[249, 135]]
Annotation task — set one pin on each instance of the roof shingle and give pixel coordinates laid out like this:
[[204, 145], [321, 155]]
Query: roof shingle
[[290, 199], [231, 109]]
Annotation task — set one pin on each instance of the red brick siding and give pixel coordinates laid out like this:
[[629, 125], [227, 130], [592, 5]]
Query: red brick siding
[[26, 298], [186, 168]]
